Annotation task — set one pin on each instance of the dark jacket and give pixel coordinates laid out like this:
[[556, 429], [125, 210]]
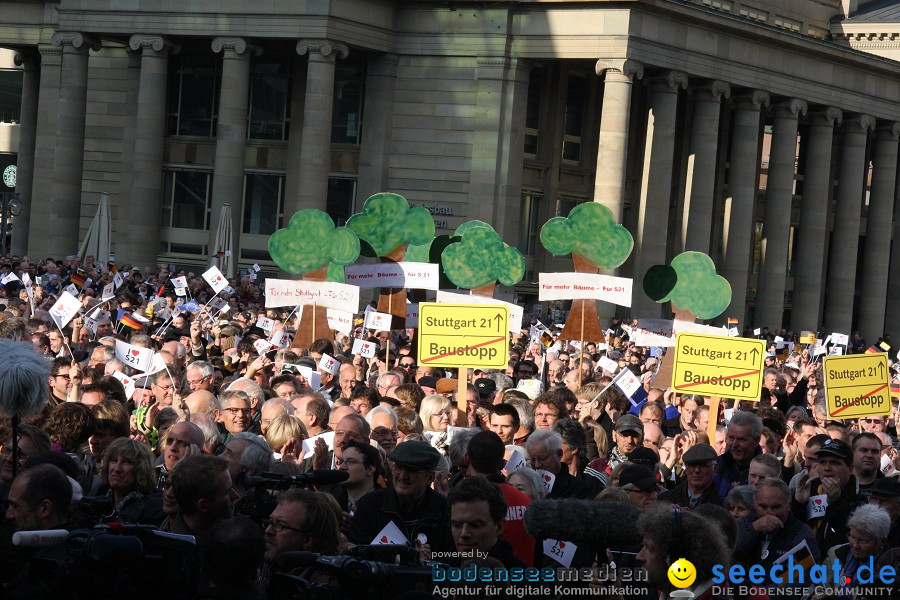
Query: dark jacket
[[831, 529], [679, 495], [748, 550], [567, 486], [431, 517], [729, 474], [796, 398]]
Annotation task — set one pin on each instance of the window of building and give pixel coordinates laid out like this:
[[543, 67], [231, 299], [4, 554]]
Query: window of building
[[346, 116], [10, 95], [186, 200], [576, 100], [341, 199], [270, 98], [533, 111], [263, 203], [529, 215], [193, 93]]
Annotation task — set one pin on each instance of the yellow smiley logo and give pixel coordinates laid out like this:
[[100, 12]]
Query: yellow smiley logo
[[682, 573]]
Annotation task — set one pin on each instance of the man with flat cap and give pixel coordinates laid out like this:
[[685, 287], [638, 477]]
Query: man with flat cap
[[410, 511], [697, 487], [885, 492]]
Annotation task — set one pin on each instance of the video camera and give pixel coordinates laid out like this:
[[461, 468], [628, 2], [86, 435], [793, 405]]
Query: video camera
[[349, 577], [259, 502], [134, 561]]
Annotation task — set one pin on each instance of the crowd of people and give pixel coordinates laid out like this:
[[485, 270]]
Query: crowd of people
[[227, 441]]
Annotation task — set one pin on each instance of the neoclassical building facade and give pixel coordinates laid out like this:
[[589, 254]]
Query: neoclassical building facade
[[764, 133]]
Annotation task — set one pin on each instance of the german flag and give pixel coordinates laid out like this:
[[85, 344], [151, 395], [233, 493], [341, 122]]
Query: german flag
[[130, 321], [895, 390], [78, 279], [872, 350]]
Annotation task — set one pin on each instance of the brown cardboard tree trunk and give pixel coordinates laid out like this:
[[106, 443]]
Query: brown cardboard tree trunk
[[393, 300], [485, 291], [583, 323], [314, 319]]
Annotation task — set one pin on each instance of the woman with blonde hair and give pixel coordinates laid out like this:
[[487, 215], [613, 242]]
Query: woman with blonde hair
[[283, 429], [436, 414], [127, 470]]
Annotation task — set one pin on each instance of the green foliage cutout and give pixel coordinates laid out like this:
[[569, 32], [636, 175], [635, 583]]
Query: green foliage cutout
[[591, 231], [481, 258], [691, 284], [311, 241], [388, 222]]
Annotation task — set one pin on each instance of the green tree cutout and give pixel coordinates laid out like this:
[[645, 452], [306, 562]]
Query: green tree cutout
[[595, 241], [480, 259], [313, 247], [691, 284], [389, 225]]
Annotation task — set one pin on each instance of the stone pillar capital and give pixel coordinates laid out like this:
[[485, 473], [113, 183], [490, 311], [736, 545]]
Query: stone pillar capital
[[755, 100], [791, 109], [27, 59], [826, 116], [667, 82], [866, 123], [322, 50], [237, 45], [888, 130], [75, 39], [713, 91], [625, 67], [156, 43]]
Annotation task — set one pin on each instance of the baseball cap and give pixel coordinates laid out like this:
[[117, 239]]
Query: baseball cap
[[837, 448], [485, 386], [637, 475], [644, 456], [629, 423]]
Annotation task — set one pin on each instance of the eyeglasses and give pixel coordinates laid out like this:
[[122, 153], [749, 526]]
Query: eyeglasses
[[411, 365], [237, 411], [165, 388], [443, 413], [347, 461], [197, 381], [66, 377], [858, 542], [546, 415], [384, 431], [278, 527]]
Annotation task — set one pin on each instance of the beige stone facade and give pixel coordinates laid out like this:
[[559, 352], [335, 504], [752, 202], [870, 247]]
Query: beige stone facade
[[761, 132]]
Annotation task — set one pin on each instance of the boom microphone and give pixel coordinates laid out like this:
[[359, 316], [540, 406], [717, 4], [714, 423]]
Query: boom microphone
[[600, 524], [317, 477]]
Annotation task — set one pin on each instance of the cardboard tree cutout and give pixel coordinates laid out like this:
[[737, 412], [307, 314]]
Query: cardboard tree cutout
[[691, 284], [595, 241], [480, 259], [313, 247], [389, 225]]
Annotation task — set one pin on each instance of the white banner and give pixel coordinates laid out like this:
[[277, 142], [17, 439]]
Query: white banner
[[409, 275], [289, 292], [573, 286], [691, 327], [654, 332], [515, 311], [340, 320]]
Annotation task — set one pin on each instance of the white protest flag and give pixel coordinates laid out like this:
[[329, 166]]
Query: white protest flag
[[265, 323], [108, 293], [140, 359], [26, 279], [218, 304], [65, 308], [127, 381], [118, 280], [378, 321], [72, 289], [10, 277], [262, 346], [329, 364], [179, 281], [280, 339], [363, 348], [213, 276]]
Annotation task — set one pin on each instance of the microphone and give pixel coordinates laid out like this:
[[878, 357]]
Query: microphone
[[317, 477], [41, 538], [603, 524]]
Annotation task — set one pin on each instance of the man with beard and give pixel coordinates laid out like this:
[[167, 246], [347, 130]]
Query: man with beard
[[628, 436], [302, 520]]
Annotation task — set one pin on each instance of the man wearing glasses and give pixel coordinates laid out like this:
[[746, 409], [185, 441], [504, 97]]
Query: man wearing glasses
[[60, 381], [302, 520], [411, 507], [236, 417]]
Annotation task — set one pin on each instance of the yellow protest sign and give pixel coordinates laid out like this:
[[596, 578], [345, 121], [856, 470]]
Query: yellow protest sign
[[712, 365], [857, 385], [463, 335], [807, 337]]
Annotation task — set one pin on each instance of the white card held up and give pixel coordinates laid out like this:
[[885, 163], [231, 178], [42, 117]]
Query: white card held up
[[265, 323], [608, 364], [280, 339], [140, 359], [560, 551], [127, 381], [516, 461], [179, 282], [363, 348], [309, 444], [72, 289], [841, 339], [548, 478], [118, 280], [391, 534], [313, 379], [213, 276], [109, 292], [65, 308], [262, 346], [378, 321], [9, 278], [329, 364]]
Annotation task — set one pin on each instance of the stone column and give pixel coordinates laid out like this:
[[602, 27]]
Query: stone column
[[612, 150], [315, 143], [147, 165], [818, 188], [877, 255], [374, 148], [743, 180], [701, 170], [44, 144], [777, 216], [841, 282], [650, 243], [31, 83], [65, 205], [231, 136]]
